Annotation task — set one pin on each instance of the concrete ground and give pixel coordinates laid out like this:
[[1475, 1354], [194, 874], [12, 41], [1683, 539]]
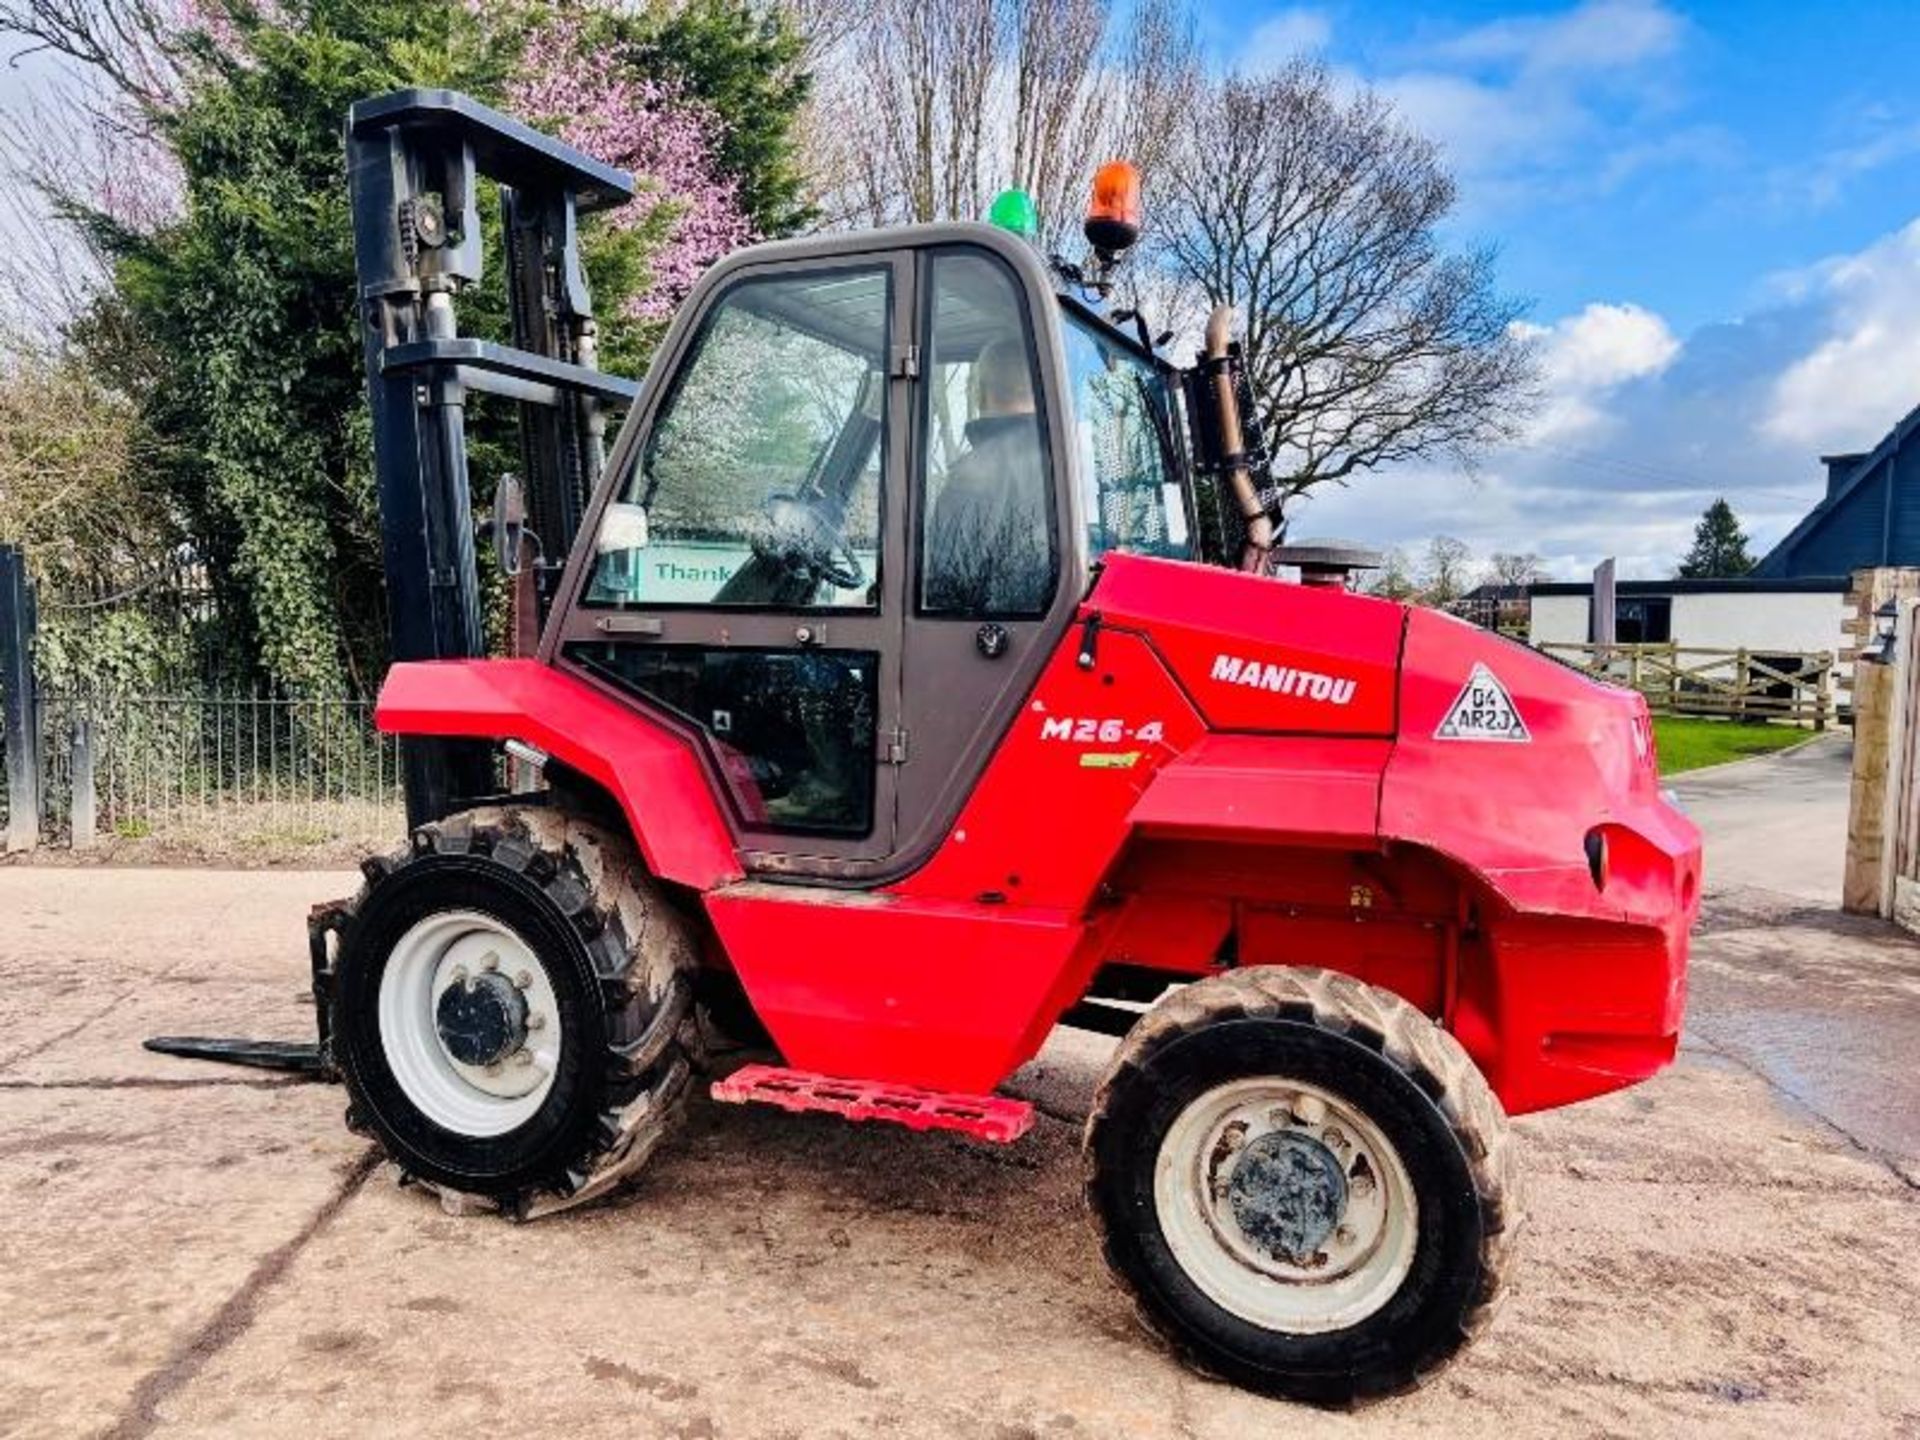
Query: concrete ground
[[1733, 1248]]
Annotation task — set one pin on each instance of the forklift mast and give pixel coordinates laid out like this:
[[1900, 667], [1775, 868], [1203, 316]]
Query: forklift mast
[[415, 159]]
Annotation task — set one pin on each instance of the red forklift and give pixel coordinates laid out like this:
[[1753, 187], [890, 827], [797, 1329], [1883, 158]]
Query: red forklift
[[913, 675]]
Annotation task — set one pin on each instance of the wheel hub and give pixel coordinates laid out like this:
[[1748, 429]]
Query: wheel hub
[[1287, 1194], [1286, 1204], [481, 1020], [470, 1022]]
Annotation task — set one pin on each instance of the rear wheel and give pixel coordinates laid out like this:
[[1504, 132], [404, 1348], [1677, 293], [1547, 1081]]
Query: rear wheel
[[1304, 1182], [511, 1009]]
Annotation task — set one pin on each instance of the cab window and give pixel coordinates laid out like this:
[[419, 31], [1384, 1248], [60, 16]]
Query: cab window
[[759, 483], [1121, 428], [987, 537]]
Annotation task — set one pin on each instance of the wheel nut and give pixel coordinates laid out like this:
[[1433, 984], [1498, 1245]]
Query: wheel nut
[[1309, 1109], [536, 1022], [1343, 1235], [1335, 1137], [523, 1057], [459, 974], [523, 978], [494, 1069], [490, 961]]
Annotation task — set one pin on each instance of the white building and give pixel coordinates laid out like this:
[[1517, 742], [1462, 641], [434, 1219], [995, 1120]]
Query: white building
[[1779, 617]]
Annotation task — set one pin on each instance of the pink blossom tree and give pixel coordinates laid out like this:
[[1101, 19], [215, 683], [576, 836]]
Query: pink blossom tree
[[600, 98]]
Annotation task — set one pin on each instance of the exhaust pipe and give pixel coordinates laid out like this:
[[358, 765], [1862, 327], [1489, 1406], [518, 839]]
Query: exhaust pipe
[[1259, 543]]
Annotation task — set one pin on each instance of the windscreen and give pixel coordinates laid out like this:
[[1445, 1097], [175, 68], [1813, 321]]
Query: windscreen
[[1122, 422], [759, 483]]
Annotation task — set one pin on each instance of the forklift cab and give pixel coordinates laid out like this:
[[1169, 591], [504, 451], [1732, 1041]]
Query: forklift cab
[[854, 509]]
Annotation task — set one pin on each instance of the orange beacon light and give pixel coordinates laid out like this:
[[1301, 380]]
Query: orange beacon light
[[1113, 215]]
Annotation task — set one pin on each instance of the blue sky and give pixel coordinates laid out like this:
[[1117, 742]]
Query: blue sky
[[1712, 208]]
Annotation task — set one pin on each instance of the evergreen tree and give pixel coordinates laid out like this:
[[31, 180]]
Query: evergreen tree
[[742, 61], [1719, 546]]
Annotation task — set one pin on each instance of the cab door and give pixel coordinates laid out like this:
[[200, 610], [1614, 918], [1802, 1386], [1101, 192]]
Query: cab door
[[998, 553], [747, 576]]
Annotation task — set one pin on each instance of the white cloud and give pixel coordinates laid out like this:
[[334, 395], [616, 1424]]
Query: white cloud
[[1604, 345], [1483, 126], [1586, 356], [1706, 146], [1283, 36], [1823, 181], [1551, 104], [1599, 35], [1864, 373]]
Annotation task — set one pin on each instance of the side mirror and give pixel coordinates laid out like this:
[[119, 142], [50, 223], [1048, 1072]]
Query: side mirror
[[507, 525]]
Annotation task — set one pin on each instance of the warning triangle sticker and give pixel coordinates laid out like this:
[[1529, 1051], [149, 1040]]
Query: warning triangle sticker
[[1483, 711]]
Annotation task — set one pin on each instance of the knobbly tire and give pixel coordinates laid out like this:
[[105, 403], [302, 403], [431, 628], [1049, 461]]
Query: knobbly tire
[[512, 1010], [1305, 1184]]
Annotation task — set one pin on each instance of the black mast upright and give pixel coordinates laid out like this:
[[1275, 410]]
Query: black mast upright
[[414, 158]]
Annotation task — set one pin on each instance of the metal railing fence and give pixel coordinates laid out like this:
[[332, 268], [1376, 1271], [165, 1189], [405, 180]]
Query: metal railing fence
[[131, 708], [217, 768]]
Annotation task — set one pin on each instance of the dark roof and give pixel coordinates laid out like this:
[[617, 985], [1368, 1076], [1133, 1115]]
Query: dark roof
[[1749, 585], [1779, 559]]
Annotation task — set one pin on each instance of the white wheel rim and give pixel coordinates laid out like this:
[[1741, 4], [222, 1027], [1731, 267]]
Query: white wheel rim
[[472, 1100], [1355, 1268]]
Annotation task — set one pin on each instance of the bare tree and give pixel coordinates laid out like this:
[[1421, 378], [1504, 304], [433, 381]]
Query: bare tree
[[1394, 580], [924, 111], [122, 42], [1512, 570], [72, 488], [80, 137], [1444, 570], [1315, 213]]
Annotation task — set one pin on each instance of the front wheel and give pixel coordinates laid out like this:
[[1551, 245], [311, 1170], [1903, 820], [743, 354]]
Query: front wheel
[[1304, 1182], [511, 1009]]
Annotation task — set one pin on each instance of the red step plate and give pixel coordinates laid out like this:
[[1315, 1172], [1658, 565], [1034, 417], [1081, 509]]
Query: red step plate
[[985, 1117]]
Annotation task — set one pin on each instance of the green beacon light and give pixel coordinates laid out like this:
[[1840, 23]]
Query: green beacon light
[[1014, 210]]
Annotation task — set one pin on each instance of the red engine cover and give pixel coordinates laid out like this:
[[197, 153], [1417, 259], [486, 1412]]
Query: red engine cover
[[1259, 655]]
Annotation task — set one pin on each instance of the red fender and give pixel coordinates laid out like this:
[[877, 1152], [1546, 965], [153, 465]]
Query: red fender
[[1518, 813], [679, 829]]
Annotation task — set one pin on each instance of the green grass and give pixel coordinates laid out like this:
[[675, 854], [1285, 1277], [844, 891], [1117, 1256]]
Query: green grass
[[1689, 743]]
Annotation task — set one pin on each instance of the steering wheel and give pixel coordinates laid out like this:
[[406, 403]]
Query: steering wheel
[[799, 536]]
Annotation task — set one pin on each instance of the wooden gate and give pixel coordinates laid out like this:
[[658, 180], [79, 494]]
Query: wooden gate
[[1697, 680]]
